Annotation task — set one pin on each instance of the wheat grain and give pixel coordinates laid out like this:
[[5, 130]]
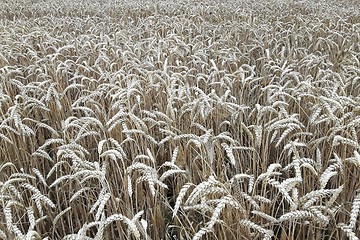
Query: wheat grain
[[200, 233], [298, 214], [354, 211], [58, 216], [350, 234], [101, 206], [267, 233]]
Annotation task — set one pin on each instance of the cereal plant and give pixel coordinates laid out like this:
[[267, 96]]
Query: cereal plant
[[179, 119]]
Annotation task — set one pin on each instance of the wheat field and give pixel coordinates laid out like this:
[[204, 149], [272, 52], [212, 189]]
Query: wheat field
[[181, 119]]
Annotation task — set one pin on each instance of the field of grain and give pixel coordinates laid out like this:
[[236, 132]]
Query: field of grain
[[179, 119]]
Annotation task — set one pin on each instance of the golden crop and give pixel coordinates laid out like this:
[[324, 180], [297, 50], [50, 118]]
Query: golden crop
[[179, 119]]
